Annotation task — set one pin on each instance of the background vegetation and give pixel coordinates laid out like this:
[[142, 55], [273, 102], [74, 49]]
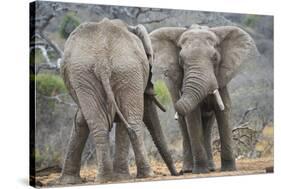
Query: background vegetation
[[68, 24]]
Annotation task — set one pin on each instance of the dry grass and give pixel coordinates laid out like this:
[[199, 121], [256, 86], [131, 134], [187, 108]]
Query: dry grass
[[244, 167]]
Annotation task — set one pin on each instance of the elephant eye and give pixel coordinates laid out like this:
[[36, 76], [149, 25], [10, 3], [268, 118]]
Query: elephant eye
[[215, 57], [180, 62]]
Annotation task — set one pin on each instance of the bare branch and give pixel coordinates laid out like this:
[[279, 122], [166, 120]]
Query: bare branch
[[241, 128], [242, 120], [154, 21], [52, 44], [145, 10], [58, 99], [48, 65], [45, 21], [38, 43], [243, 135]]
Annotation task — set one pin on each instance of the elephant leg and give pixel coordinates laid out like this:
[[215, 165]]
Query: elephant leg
[[121, 155], [71, 167], [132, 107], [95, 113], [195, 131], [100, 136], [136, 132], [152, 122], [227, 156], [130, 100], [208, 119], [187, 154]]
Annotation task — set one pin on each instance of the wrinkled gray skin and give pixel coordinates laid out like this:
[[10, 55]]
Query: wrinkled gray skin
[[106, 70], [195, 62]]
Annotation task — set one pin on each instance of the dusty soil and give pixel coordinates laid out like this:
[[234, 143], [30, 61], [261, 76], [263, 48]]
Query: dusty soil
[[244, 167]]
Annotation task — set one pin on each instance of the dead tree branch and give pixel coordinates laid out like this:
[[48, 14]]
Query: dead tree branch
[[241, 128], [243, 136], [51, 43], [155, 21], [246, 113], [42, 22], [58, 99]]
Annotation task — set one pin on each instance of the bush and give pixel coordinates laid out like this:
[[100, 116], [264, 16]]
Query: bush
[[251, 20], [49, 84], [69, 23], [162, 92]]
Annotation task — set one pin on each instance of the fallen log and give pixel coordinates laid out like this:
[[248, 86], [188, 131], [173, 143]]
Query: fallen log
[[48, 170]]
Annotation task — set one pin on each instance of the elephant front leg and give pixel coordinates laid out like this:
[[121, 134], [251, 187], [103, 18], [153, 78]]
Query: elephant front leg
[[195, 131], [121, 155], [71, 168], [187, 153], [208, 119], [174, 89], [227, 156]]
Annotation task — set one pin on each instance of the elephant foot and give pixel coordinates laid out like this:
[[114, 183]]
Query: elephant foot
[[145, 172], [104, 178], [186, 168], [69, 179], [200, 167], [211, 165], [228, 165], [122, 176]]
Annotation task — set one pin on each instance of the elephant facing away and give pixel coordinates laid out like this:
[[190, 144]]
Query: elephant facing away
[[197, 64], [106, 70]]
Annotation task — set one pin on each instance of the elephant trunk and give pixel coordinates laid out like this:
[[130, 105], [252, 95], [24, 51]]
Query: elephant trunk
[[197, 84], [152, 123]]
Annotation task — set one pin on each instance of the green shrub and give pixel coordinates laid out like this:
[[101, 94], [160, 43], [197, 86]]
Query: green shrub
[[49, 84], [69, 23], [251, 20], [162, 92]]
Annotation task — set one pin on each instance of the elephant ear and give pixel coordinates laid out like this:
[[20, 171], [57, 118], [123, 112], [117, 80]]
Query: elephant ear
[[166, 53], [141, 32], [237, 47]]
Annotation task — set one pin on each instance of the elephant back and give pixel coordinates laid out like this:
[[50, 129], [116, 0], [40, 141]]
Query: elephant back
[[92, 42]]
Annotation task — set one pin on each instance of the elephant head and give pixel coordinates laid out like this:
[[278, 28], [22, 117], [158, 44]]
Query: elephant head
[[201, 60]]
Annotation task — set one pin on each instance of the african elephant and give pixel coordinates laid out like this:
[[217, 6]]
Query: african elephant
[[106, 69], [197, 64]]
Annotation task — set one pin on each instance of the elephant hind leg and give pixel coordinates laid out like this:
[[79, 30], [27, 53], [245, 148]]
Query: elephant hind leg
[[136, 132], [121, 155], [71, 168], [99, 119], [99, 135], [131, 103]]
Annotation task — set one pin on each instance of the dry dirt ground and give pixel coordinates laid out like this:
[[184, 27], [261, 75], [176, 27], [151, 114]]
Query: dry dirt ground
[[244, 167]]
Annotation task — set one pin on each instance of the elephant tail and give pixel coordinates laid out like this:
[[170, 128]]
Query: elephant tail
[[111, 99]]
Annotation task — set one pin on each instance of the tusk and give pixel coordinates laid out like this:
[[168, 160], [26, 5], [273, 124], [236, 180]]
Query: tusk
[[158, 104], [176, 116], [218, 99]]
